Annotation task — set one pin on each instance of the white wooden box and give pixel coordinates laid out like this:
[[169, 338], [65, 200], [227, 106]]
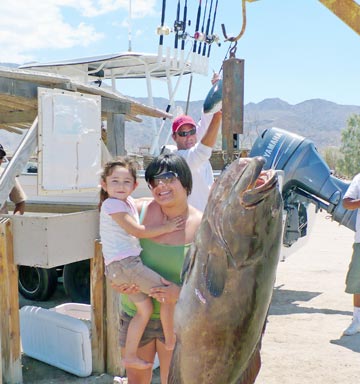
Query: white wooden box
[[48, 240]]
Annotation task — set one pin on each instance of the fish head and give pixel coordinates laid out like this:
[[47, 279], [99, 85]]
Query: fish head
[[244, 201]]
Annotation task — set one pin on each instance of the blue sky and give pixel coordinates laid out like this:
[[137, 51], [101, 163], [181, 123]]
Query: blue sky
[[293, 49]]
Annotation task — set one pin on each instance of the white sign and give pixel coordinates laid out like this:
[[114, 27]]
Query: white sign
[[69, 141]]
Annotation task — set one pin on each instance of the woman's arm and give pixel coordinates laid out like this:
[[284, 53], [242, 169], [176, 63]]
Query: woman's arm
[[168, 293], [129, 224]]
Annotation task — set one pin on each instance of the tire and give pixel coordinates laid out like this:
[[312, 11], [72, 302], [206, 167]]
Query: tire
[[77, 281], [37, 283]]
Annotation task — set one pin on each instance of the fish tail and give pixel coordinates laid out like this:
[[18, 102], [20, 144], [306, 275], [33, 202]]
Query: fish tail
[[253, 368]]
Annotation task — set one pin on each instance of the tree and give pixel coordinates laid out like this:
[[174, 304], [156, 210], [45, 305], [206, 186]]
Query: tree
[[349, 165], [332, 157]]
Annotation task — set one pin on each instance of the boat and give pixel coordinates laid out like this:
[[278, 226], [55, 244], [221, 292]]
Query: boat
[[28, 93]]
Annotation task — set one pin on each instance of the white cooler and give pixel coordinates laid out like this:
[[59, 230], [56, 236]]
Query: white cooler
[[58, 339]]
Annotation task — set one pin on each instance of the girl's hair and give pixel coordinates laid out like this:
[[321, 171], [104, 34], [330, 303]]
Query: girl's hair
[[124, 162], [170, 162]]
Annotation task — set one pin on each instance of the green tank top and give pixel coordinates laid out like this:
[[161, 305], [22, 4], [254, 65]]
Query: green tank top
[[166, 260]]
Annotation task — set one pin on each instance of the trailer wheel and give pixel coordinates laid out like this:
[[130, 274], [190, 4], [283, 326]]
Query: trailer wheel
[[37, 283], [77, 281]]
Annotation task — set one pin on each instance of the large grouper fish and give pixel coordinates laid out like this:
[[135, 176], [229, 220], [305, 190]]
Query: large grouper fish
[[228, 279]]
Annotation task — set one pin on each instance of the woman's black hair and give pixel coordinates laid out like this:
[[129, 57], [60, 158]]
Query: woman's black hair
[[170, 162]]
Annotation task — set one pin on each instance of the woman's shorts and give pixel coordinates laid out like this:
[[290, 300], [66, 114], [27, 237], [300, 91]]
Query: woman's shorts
[[353, 275], [152, 331]]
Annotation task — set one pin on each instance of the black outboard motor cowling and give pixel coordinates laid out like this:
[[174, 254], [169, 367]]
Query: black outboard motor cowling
[[307, 178]]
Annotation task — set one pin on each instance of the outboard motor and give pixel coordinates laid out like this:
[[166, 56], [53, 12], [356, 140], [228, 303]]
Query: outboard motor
[[307, 179]]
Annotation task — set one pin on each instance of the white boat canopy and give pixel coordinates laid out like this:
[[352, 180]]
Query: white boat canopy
[[127, 65], [19, 97]]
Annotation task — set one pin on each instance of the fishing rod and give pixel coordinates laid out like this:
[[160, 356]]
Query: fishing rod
[[200, 35], [184, 27], [197, 24], [177, 26], [207, 28], [213, 27], [161, 29]]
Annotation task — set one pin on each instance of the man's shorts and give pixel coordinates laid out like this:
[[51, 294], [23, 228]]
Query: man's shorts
[[131, 270], [152, 331], [353, 275]]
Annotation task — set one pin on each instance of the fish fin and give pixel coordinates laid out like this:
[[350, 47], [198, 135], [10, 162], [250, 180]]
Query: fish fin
[[216, 274], [253, 368], [188, 263]]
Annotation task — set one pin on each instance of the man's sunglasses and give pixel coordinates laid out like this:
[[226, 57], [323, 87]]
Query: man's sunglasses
[[165, 178], [187, 133]]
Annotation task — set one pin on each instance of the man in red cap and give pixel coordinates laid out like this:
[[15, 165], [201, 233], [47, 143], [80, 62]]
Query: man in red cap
[[185, 133], [17, 195]]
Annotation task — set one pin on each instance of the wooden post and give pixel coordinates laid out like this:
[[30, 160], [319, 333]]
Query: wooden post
[[9, 307], [98, 307], [116, 134], [0, 357], [113, 354]]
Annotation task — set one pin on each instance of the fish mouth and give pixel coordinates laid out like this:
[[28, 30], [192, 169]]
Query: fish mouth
[[261, 182]]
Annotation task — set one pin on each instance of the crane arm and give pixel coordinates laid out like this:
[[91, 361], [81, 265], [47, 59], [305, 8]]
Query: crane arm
[[346, 10]]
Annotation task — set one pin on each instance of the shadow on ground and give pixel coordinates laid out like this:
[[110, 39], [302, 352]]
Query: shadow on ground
[[287, 302], [349, 342]]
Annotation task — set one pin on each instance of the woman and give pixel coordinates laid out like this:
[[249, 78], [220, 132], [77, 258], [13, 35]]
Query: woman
[[169, 179]]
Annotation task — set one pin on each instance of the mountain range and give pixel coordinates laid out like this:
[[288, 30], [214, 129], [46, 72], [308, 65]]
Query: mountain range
[[318, 120]]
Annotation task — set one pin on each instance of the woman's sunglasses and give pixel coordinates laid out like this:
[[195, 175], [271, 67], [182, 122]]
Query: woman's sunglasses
[[187, 133], [165, 178]]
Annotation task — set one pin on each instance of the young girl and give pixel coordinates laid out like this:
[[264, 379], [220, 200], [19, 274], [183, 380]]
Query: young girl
[[119, 232]]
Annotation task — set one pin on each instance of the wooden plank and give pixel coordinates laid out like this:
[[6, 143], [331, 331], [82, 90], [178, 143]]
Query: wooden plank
[[113, 360], [114, 106], [18, 161], [9, 307], [18, 117], [98, 306]]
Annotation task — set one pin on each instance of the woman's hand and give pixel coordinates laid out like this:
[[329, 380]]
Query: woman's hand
[[126, 289], [169, 293]]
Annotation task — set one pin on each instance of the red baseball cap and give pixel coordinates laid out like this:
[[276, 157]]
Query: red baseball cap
[[181, 120]]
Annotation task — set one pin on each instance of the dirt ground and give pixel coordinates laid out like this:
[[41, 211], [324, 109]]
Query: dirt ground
[[303, 343]]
